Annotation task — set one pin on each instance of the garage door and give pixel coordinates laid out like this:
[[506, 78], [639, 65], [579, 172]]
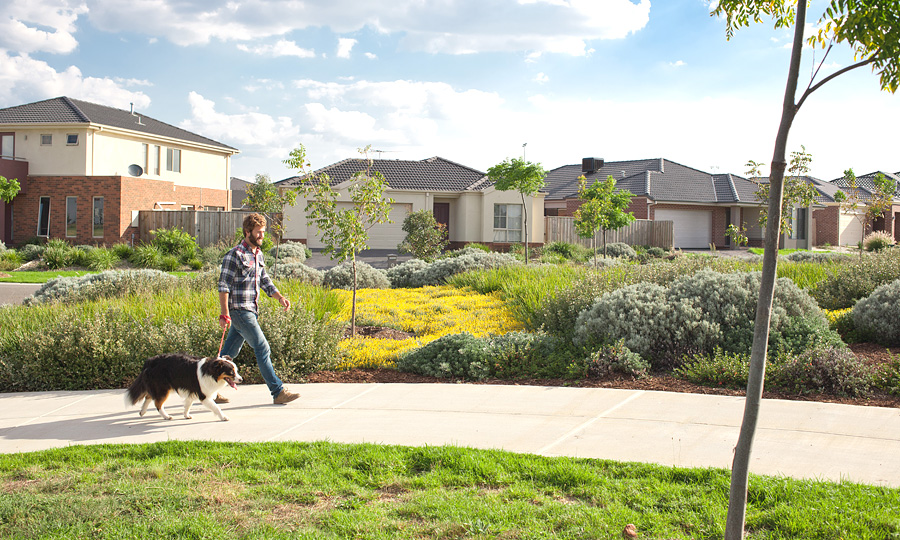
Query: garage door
[[381, 236], [850, 229], [693, 228]]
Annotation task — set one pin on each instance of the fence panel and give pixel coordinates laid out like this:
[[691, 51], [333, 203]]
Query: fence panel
[[207, 228], [641, 232]]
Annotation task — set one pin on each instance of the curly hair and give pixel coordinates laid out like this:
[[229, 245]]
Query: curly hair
[[253, 221]]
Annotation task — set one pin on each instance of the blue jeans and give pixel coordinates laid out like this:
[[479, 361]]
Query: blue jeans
[[245, 327]]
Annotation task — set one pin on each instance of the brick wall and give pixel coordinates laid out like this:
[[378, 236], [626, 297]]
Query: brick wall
[[121, 195], [827, 225]]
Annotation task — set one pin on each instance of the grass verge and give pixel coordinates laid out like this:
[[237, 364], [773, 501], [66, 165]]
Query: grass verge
[[326, 490]]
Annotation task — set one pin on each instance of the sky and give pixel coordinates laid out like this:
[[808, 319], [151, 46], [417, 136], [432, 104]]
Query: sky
[[472, 81]]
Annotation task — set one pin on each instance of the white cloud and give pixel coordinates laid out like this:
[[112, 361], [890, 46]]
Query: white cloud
[[24, 79], [677, 64], [447, 27], [371, 56], [345, 45], [261, 132], [281, 48], [541, 78], [40, 26]]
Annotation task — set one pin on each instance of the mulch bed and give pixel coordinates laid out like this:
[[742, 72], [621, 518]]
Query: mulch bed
[[870, 352]]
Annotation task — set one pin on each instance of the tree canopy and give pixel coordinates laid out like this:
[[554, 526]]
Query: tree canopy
[[603, 208], [523, 176]]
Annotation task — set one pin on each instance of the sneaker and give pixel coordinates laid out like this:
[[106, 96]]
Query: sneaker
[[222, 399], [285, 397]]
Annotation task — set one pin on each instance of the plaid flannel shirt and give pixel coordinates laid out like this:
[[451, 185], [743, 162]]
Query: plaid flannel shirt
[[243, 274]]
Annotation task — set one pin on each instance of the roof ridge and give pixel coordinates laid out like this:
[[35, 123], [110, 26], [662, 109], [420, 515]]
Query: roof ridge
[[75, 108]]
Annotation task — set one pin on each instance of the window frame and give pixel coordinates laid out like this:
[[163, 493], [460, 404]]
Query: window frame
[[501, 224], [94, 224], [9, 153], [173, 160], [49, 139], [69, 139], [73, 223], [43, 216], [157, 158]]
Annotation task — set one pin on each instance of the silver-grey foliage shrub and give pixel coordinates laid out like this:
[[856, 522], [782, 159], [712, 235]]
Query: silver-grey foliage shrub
[[30, 252], [111, 283], [367, 277], [296, 251], [300, 272], [471, 259], [816, 256], [618, 250], [401, 274], [878, 315]]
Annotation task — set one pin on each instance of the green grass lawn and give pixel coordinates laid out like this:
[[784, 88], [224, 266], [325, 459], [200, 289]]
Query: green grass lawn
[[363, 491], [41, 276]]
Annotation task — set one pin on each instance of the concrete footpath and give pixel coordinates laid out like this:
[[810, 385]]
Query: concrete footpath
[[795, 438]]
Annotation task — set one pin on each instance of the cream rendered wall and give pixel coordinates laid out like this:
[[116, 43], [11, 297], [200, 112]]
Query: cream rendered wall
[[467, 218], [56, 159], [200, 167], [492, 196]]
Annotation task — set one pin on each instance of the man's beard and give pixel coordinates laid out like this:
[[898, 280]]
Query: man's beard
[[254, 242]]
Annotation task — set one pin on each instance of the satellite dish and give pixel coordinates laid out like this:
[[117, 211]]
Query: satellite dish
[[135, 170]]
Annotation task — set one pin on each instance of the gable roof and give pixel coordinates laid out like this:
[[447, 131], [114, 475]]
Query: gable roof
[[825, 191], [866, 184], [432, 174], [658, 179], [65, 110]]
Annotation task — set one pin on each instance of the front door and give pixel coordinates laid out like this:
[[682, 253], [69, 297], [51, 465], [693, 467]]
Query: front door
[[442, 215]]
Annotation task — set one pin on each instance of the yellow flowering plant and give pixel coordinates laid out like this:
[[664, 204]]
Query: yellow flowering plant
[[428, 313]]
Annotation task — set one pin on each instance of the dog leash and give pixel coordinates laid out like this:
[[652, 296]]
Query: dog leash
[[227, 319]]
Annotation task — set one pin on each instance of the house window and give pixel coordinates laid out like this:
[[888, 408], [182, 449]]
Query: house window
[[7, 145], [46, 140], [71, 216], [507, 223], [799, 223], [98, 217], [44, 217], [187, 207], [72, 139], [173, 159], [154, 158]]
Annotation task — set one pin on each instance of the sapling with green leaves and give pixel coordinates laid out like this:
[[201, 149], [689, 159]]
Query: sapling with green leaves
[[797, 191], [264, 197], [603, 207], [425, 237], [344, 232], [523, 176], [9, 188], [881, 201]]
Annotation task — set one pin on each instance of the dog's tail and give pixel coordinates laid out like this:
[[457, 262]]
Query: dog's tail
[[136, 391]]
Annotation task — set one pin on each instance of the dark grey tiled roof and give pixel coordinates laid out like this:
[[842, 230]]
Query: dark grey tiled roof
[[658, 179], [432, 174], [64, 110], [825, 191], [866, 184]]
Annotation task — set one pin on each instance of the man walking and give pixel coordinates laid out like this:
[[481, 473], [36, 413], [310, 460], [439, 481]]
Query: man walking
[[243, 274]]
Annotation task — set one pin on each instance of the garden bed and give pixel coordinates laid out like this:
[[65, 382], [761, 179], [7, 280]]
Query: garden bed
[[870, 352]]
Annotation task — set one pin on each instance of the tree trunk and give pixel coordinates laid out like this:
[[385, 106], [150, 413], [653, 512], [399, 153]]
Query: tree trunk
[[525, 226], [353, 303], [740, 471]]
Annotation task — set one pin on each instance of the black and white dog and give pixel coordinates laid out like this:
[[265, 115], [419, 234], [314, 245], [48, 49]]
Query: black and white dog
[[191, 377]]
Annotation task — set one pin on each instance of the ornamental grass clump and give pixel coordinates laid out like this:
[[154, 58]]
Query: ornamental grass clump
[[877, 241], [877, 317], [857, 278], [367, 277]]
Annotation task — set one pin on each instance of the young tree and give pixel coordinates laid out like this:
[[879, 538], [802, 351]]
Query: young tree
[[523, 176], [603, 208], [881, 201], [8, 189], [265, 198], [797, 191], [344, 232], [872, 29], [425, 237]]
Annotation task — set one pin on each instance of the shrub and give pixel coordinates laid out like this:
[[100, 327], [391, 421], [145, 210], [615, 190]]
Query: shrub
[[568, 251], [169, 263], [611, 359], [857, 278], [720, 369], [56, 257], [425, 237], [877, 316], [656, 252], [31, 252], [824, 369], [877, 241], [521, 354], [470, 259], [289, 252], [650, 323], [453, 356], [473, 245], [175, 242], [300, 272], [887, 375], [10, 260], [100, 259], [122, 251], [816, 256], [108, 284], [147, 256], [618, 250], [401, 275], [212, 256], [367, 277], [601, 262]]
